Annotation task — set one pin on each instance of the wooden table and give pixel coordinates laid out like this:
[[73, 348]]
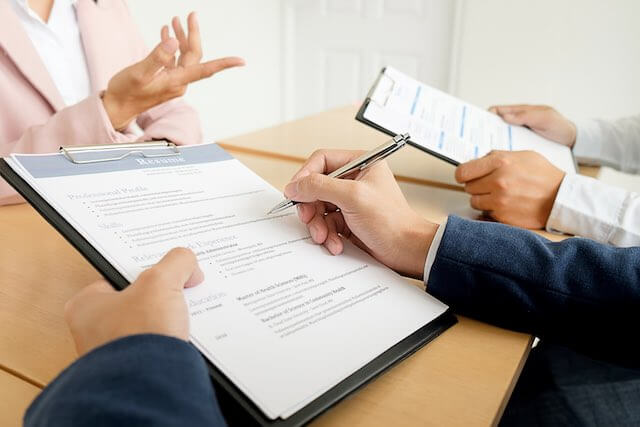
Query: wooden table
[[296, 140], [464, 377]]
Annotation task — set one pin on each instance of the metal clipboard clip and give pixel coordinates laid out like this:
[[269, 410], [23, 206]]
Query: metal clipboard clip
[[71, 152], [382, 89]]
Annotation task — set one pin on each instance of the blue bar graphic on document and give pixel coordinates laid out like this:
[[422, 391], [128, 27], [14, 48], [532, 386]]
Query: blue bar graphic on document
[[510, 139], [441, 140], [415, 100], [47, 165], [464, 116], [475, 152]]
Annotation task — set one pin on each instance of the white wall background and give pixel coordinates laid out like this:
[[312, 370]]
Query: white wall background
[[334, 49], [238, 100], [582, 56]]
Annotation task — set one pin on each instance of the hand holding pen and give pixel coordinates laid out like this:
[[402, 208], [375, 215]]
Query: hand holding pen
[[370, 210], [360, 163]]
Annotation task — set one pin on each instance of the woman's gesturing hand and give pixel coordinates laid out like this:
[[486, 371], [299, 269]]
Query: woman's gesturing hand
[[159, 77]]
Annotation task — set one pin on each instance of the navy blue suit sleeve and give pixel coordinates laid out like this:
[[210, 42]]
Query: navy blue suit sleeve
[[576, 292], [137, 380]]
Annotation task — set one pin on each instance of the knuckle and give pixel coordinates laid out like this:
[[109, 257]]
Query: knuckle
[[502, 183], [313, 181], [320, 153], [501, 160], [359, 192], [137, 78], [151, 275], [501, 202], [69, 310]]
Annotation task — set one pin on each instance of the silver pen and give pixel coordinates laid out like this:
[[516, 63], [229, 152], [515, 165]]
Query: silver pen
[[366, 160]]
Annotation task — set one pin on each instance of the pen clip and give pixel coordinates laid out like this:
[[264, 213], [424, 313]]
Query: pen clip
[[400, 141]]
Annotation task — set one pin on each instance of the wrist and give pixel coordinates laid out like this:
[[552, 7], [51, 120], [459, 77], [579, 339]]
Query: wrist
[[416, 241], [556, 182], [573, 134], [117, 111]]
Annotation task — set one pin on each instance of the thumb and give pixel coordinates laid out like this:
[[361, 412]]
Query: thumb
[[520, 118], [176, 270], [89, 292], [315, 186], [533, 118], [98, 287], [163, 55]]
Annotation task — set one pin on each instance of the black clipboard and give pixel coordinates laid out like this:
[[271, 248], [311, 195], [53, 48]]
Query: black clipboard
[[360, 117], [237, 408], [363, 108]]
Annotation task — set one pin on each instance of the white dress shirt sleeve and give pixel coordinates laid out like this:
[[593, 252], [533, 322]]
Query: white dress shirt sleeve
[[433, 251], [590, 208], [615, 144]]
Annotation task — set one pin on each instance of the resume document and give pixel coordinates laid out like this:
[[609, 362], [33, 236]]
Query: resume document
[[448, 126], [277, 314]]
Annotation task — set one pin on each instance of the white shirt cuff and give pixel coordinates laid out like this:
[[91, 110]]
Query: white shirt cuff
[[588, 208], [589, 142], [433, 251]]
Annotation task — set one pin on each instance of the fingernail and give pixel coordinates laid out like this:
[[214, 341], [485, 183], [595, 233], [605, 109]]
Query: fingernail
[[170, 45], [291, 189], [333, 245], [313, 230], [303, 173], [299, 175], [299, 209], [196, 278]]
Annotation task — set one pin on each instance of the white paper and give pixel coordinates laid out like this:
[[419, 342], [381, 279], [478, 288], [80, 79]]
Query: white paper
[[449, 126], [280, 316]]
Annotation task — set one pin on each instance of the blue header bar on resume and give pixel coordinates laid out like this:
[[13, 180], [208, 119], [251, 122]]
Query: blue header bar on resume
[[55, 165]]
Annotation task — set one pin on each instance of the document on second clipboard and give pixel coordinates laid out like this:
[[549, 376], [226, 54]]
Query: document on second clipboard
[[449, 126], [277, 314]]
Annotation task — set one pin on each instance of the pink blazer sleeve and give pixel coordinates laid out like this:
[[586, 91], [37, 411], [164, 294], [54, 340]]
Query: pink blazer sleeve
[[87, 123], [81, 124], [174, 120]]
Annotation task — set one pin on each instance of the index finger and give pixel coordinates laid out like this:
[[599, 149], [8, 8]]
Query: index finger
[[192, 73], [176, 270], [326, 161], [478, 168]]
